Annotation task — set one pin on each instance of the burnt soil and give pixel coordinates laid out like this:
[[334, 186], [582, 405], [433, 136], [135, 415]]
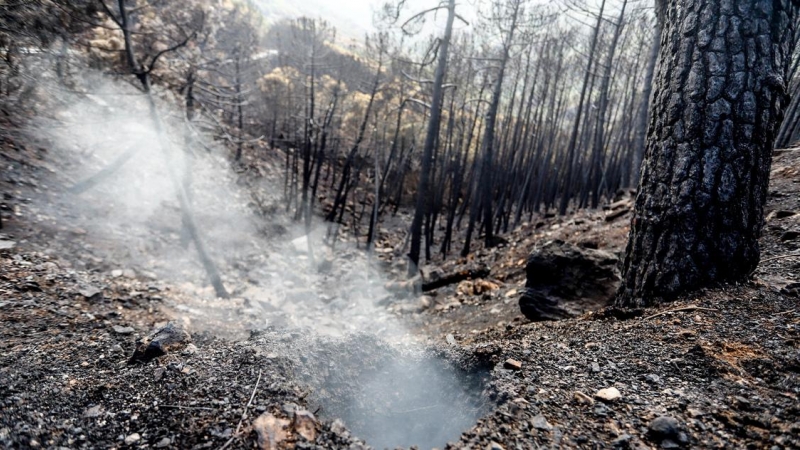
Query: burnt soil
[[724, 362]]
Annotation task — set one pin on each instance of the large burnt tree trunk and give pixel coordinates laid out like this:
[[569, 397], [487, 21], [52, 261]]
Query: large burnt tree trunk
[[720, 95]]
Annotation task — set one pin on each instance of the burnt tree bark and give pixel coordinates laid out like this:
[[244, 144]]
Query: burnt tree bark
[[720, 96]]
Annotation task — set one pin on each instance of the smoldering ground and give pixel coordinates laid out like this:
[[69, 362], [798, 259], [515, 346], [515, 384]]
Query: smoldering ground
[[118, 182]]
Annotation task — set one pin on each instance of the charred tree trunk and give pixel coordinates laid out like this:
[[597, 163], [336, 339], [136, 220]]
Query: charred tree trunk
[[430, 141], [720, 96]]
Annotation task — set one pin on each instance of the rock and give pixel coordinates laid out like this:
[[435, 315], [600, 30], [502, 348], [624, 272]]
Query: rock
[[595, 367], [559, 272], [624, 441], [652, 378], [164, 442], [116, 273], [664, 427], [89, 292], [190, 349], [305, 424], [512, 364], [7, 245], [123, 330], [300, 244], [338, 427], [494, 446], [93, 411], [608, 395], [132, 439], [171, 337], [540, 423], [289, 408], [158, 374], [582, 398], [271, 431], [695, 412], [450, 339]]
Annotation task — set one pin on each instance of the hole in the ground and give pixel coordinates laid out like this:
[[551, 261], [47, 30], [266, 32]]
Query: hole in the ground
[[403, 401]]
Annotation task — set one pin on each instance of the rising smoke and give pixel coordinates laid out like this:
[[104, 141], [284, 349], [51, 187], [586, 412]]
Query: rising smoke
[[130, 219]]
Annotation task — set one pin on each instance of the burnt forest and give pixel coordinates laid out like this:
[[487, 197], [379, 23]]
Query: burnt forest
[[399, 224]]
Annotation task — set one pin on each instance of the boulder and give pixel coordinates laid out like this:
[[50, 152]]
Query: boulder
[[564, 280]]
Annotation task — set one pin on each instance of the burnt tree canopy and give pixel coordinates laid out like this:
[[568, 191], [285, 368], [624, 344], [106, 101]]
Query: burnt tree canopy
[[720, 93]]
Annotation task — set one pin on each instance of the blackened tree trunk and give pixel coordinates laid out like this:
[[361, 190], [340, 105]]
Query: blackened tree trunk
[[430, 140], [720, 96]]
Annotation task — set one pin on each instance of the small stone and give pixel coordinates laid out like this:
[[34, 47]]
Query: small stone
[[741, 403], [582, 399], [170, 337], [300, 244], [190, 349], [132, 439], [512, 364], [608, 395], [694, 412], [450, 339], [289, 408], [664, 427], [158, 374], [652, 378], [116, 273], [494, 446], [623, 441], [7, 245], [540, 423], [93, 411], [164, 442], [90, 292], [305, 424], [123, 330], [595, 367]]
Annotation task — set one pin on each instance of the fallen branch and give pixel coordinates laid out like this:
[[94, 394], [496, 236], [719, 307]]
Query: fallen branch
[[455, 277], [683, 309], [244, 414]]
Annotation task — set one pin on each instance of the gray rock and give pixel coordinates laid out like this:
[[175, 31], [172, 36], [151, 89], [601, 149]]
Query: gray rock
[[89, 292], [7, 245], [623, 441], [540, 423], [664, 427], [132, 439], [123, 330], [652, 378], [171, 337]]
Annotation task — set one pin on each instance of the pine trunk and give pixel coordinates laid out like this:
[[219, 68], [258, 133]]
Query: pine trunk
[[720, 94]]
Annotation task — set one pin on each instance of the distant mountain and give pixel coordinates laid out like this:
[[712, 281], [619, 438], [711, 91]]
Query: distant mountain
[[352, 18]]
